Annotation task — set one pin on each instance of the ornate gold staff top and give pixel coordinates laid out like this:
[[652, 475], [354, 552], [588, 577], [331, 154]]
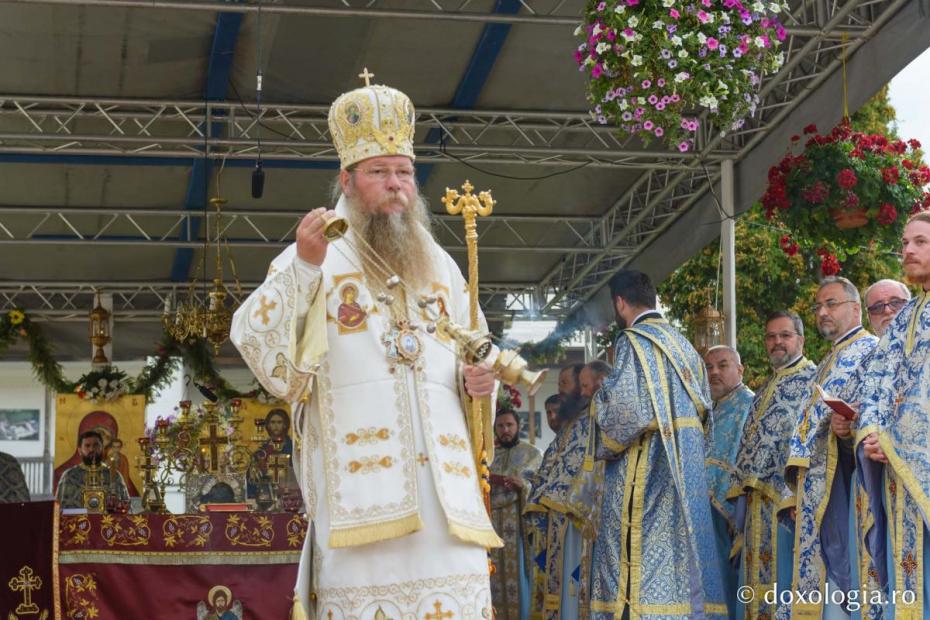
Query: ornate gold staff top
[[471, 207]]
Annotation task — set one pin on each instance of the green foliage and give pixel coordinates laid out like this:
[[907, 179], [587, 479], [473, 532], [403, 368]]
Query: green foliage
[[110, 381], [768, 279], [877, 115]]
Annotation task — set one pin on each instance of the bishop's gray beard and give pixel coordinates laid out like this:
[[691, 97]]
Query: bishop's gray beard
[[402, 240]]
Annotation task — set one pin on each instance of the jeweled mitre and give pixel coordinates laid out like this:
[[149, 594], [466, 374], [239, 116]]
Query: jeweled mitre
[[371, 121]]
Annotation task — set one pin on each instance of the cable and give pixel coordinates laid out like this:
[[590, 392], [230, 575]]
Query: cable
[[246, 109], [258, 175], [442, 149]]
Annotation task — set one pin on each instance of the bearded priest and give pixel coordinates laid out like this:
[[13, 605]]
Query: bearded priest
[[385, 459]]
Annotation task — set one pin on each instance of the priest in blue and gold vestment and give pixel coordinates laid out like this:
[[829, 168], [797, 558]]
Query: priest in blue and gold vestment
[[763, 501], [514, 461], [732, 400], [654, 556], [894, 439], [536, 516], [821, 464], [570, 499]]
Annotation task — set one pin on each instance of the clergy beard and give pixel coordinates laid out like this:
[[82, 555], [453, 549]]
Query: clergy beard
[[402, 240], [573, 406], [509, 444], [92, 459]]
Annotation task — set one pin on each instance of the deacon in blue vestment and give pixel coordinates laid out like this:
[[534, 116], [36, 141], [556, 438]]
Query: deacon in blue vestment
[[883, 300], [894, 435], [654, 556], [732, 400], [562, 510], [764, 503], [821, 463]]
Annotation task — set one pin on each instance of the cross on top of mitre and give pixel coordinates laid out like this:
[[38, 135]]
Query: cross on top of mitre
[[365, 75]]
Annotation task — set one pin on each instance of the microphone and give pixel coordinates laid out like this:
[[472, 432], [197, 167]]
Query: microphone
[[258, 180]]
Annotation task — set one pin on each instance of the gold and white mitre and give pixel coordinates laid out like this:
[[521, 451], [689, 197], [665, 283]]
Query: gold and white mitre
[[371, 121]]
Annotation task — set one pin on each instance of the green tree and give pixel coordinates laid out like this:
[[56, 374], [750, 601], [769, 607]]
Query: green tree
[[767, 279]]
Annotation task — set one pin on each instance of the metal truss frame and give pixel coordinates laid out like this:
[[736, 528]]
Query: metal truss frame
[[149, 128], [821, 34], [168, 227], [139, 301], [558, 13]]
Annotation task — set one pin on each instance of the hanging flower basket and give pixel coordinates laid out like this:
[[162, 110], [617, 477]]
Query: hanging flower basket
[[655, 65], [844, 191], [846, 219]]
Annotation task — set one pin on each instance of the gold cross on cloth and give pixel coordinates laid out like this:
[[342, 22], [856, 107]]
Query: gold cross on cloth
[[26, 583], [440, 614], [265, 307]]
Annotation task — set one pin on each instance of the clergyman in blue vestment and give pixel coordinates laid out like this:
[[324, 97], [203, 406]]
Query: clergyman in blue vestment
[[894, 440], [732, 400], [654, 555], [821, 464], [763, 502]]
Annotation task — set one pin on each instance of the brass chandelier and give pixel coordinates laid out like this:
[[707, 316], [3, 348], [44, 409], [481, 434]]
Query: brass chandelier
[[206, 317]]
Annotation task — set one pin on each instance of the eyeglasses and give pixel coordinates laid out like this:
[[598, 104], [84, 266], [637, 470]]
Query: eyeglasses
[[830, 304], [383, 174], [771, 337], [894, 303]]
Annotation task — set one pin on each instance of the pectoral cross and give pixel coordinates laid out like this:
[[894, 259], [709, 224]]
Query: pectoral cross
[[26, 583], [214, 441], [440, 614], [366, 76]]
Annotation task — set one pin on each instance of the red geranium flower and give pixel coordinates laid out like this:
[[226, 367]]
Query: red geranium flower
[[846, 178], [891, 175], [887, 214], [829, 266], [810, 129]]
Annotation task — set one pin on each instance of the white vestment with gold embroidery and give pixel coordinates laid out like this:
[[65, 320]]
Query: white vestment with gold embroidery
[[386, 465]]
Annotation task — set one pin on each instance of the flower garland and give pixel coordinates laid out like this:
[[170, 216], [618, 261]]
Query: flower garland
[[650, 63], [110, 382], [844, 191]]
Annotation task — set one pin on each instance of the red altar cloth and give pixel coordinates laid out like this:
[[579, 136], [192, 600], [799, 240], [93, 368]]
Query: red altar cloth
[[162, 566]]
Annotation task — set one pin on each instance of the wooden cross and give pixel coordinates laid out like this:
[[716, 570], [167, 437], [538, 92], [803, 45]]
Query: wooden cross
[[277, 463], [214, 441], [264, 308], [366, 76], [440, 614], [26, 583]]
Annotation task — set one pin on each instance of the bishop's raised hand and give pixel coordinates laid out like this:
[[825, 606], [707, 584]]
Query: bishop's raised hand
[[311, 243]]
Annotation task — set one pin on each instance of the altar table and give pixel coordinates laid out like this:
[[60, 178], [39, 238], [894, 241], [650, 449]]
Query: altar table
[[119, 566]]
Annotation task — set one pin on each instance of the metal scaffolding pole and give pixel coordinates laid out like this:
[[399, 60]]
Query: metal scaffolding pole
[[728, 250]]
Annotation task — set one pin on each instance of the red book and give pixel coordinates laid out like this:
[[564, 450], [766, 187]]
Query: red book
[[838, 405], [497, 480]]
